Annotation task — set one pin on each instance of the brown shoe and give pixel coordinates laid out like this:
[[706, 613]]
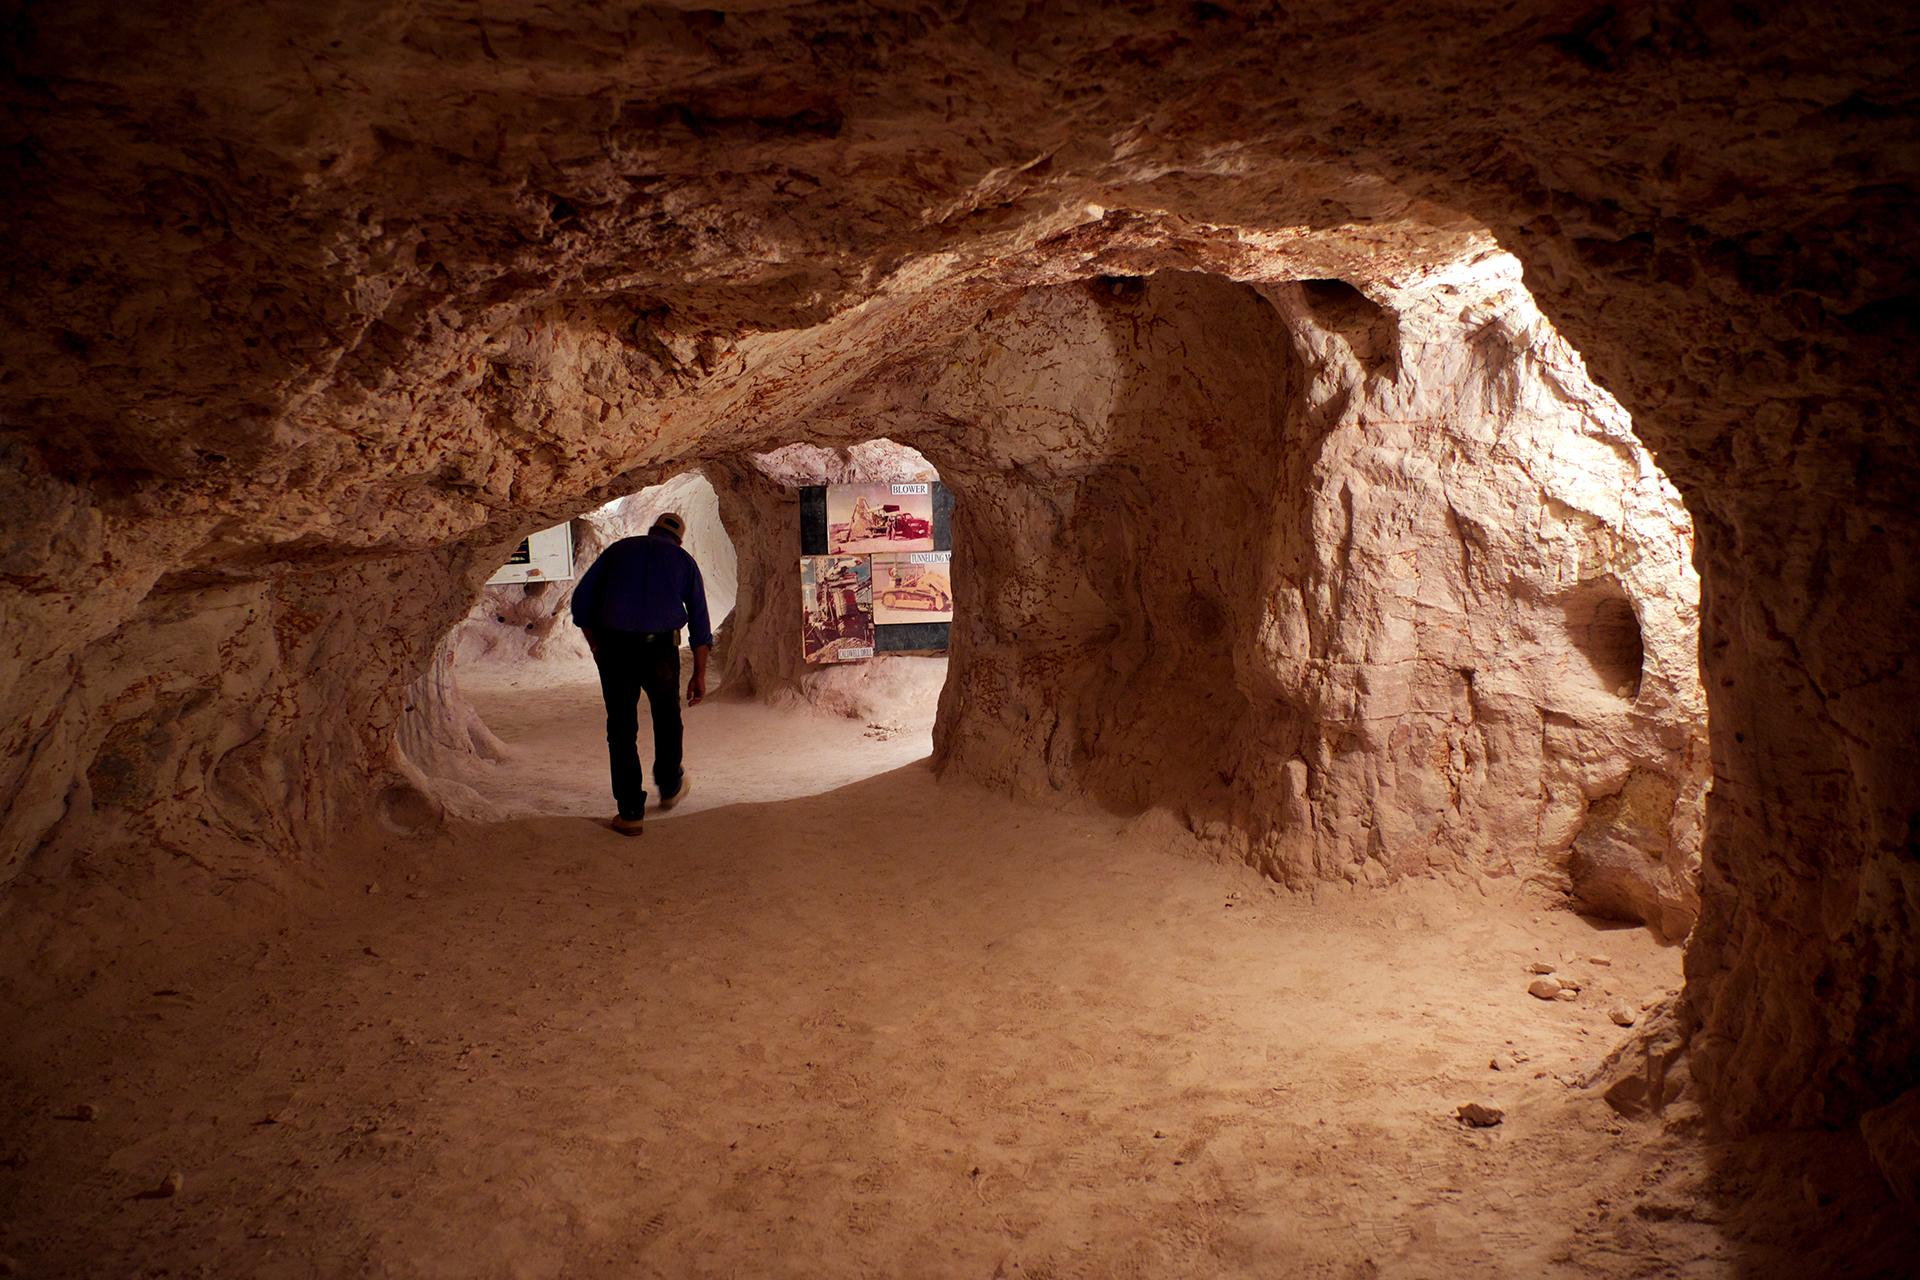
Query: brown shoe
[[680, 793], [627, 826]]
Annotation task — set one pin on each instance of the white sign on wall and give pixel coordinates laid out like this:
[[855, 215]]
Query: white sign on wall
[[545, 556]]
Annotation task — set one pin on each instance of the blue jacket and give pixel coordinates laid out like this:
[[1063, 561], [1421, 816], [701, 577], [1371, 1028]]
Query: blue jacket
[[643, 584]]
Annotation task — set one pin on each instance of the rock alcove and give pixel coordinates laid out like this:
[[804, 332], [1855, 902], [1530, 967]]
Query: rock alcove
[[1290, 517]]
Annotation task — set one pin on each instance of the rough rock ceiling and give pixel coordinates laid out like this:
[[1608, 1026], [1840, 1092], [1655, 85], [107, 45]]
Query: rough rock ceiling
[[310, 206]]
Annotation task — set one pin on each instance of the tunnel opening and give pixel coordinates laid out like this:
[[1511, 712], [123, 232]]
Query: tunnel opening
[[1329, 585], [523, 617], [826, 576], [1391, 552]]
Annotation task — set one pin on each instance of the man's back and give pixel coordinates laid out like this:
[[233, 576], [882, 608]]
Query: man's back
[[646, 583]]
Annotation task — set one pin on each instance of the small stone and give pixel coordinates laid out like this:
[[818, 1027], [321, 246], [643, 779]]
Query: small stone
[[1543, 988], [1602, 961], [1481, 1116], [169, 1186], [1540, 966], [1623, 1014], [1567, 993], [86, 1111], [374, 887], [1568, 983], [1501, 1062]]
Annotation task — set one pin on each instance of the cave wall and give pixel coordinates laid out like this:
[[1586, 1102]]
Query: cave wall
[[232, 724], [311, 286], [1319, 576]]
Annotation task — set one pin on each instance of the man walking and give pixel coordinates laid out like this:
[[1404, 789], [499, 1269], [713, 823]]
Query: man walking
[[631, 605]]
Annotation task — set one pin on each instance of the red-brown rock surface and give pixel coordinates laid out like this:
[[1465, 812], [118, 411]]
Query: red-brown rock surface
[[318, 307]]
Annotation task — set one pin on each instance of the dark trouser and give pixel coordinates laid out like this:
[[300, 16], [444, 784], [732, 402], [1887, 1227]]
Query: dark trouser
[[632, 663]]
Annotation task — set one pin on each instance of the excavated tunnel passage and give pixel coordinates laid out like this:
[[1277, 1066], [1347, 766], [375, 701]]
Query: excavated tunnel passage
[[1425, 708]]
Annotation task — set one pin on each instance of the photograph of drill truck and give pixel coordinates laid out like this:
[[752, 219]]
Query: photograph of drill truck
[[836, 600]]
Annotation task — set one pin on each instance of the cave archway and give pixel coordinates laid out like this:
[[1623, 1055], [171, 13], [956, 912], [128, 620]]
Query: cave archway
[[1344, 586], [508, 723], [526, 620]]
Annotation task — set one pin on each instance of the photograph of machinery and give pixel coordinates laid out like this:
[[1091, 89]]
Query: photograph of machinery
[[836, 596], [876, 569], [879, 517], [912, 587]]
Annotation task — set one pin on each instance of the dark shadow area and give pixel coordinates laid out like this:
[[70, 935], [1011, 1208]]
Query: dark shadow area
[[1603, 626]]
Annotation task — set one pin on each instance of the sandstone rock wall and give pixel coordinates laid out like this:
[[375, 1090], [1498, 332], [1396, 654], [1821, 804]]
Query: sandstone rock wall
[[232, 724], [1356, 590]]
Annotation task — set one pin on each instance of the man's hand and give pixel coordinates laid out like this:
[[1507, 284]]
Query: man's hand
[[697, 686]]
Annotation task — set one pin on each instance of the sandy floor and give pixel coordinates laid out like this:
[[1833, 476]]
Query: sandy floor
[[896, 1028], [554, 724]]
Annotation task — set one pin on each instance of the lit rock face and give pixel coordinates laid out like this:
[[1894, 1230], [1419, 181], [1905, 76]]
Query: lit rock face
[[330, 302], [1354, 591]]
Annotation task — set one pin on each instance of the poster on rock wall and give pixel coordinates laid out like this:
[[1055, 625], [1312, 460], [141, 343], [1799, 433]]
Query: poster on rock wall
[[836, 599], [912, 586], [900, 533], [874, 518], [546, 556]]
